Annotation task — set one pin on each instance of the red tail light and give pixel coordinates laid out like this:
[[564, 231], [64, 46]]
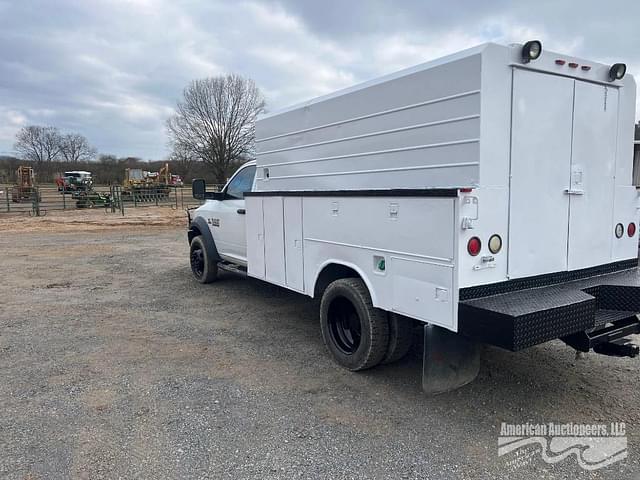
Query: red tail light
[[474, 246], [631, 229]]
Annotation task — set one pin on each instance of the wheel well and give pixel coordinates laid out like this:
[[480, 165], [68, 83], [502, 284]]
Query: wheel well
[[193, 232], [332, 272]]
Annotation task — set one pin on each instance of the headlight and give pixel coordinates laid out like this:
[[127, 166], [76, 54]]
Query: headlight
[[531, 50], [617, 71]]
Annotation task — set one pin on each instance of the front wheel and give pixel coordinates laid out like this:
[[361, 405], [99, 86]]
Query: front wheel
[[354, 331], [204, 268]]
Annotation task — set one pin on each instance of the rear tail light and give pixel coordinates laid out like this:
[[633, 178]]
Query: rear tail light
[[619, 230], [631, 229], [495, 243], [474, 246]]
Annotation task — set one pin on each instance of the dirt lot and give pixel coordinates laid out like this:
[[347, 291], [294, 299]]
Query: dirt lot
[[116, 364]]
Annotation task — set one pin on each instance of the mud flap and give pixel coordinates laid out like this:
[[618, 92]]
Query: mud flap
[[450, 360]]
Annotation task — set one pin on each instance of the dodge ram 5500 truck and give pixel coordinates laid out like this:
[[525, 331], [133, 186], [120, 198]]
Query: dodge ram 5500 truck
[[486, 195]]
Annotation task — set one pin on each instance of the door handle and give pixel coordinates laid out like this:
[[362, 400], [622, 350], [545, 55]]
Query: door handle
[[570, 191], [241, 211]]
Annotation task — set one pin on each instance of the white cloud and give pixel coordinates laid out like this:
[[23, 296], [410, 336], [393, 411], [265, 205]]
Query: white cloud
[[10, 123]]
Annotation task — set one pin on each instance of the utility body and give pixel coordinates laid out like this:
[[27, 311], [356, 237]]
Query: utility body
[[486, 195]]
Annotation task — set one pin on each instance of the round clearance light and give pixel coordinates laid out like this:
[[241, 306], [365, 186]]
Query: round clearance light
[[495, 244], [619, 230], [631, 229], [617, 71], [474, 246], [531, 51]]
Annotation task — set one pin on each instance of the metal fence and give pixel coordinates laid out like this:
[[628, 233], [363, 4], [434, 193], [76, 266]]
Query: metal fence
[[37, 201]]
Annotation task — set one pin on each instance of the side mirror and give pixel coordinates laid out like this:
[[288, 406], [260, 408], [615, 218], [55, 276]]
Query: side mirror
[[199, 188]]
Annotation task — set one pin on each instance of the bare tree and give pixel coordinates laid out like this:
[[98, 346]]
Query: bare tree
[[182, 159], [76, 148], [38, 144], [215, 122]]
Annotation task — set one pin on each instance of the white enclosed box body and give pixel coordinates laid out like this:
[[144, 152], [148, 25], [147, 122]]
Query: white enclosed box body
[[392, 178]]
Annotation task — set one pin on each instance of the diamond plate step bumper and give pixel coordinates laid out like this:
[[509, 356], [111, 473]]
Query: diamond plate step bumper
[[519, 319]]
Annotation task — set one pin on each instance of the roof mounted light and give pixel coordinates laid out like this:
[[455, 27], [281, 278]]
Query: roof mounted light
[[531, 50], [617, 71]]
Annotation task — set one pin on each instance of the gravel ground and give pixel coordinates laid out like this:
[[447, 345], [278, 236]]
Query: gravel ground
[[116, 364]]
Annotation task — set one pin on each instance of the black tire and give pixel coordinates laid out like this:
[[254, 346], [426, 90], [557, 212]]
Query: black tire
[[204, 268], [400, 338], [354, 331]]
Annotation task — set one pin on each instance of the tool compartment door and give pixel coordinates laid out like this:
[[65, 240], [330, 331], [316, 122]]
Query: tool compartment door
[[274, 260], [293, 255], [540, 168], [255, 237], [592, 187]]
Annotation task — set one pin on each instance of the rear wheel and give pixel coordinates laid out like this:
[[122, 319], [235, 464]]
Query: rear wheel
[[400, 337], [204, 268], [354, 331]]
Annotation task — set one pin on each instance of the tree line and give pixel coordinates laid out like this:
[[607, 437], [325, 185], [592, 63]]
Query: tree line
[[106, 169]]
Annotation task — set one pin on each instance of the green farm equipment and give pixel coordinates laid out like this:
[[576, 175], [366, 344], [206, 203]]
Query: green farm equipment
[[92, 199]]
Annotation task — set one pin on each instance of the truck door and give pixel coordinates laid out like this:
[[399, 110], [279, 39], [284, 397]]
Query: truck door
[[540, 172], [230, 229], [592, 173]]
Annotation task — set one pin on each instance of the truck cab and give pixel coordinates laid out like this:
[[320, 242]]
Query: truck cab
[[224, 216]]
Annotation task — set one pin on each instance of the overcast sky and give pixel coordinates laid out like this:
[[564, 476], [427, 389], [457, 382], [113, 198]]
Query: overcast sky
[[113, 70]]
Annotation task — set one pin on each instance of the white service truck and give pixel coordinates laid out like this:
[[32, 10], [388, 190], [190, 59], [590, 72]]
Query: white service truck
[[487, 195]]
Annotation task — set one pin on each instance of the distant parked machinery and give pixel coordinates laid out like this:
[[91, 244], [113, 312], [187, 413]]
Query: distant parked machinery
[[75, 181], [24, 190], [79, 183], [141, 185]]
